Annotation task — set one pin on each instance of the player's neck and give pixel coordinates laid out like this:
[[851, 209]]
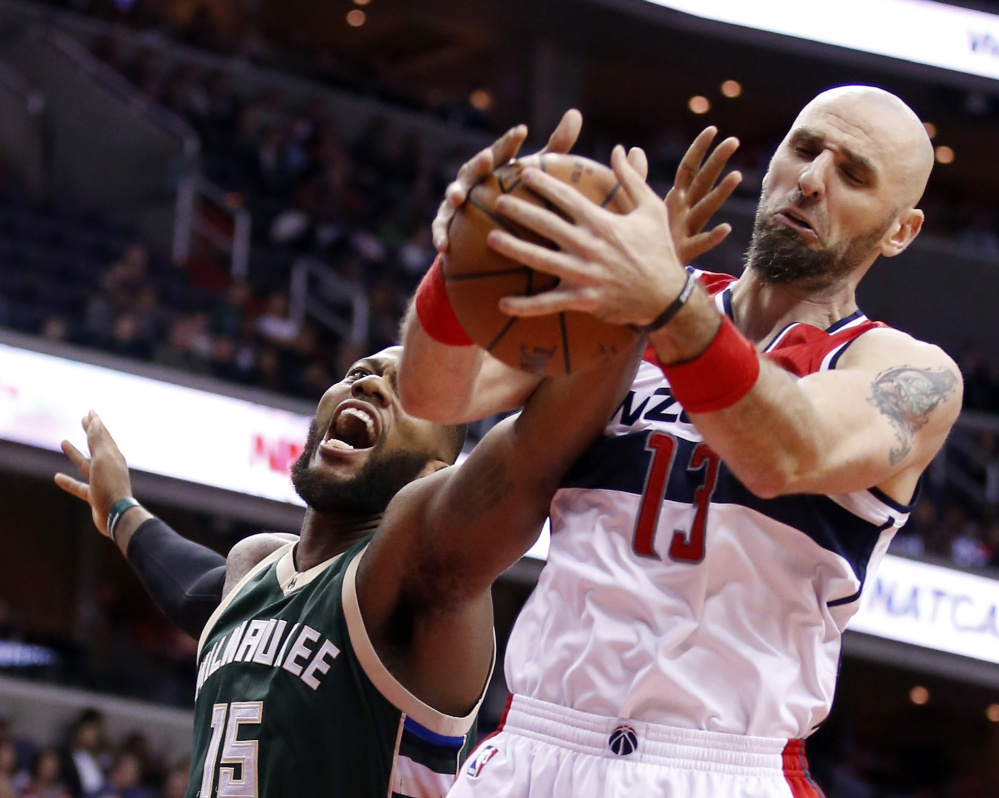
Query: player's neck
[[762, 309], [324, 535]]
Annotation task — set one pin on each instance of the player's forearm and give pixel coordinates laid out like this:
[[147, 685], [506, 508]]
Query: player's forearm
[[184, 579], [455, 384], [436, 381], [565, 414], [772, 439]]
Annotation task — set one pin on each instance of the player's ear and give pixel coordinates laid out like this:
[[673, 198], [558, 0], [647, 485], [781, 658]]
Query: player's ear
[[910, 222]]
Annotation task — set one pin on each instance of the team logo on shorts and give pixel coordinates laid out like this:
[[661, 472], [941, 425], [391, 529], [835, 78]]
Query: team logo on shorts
[[479, 760], [623, 741]]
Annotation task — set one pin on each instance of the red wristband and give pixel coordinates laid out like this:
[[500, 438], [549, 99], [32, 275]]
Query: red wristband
[[717, 378], [434, 309]]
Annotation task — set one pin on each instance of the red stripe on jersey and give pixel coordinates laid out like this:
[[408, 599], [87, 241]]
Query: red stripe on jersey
[[796, 771], [802, 348]]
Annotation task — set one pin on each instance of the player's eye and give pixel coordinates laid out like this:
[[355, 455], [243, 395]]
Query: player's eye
[[357, 373]]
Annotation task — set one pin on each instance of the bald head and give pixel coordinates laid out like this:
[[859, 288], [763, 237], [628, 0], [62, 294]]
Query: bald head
[[899, 143]]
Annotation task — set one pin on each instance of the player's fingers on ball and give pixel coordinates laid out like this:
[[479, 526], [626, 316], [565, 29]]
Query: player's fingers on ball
[[535, 256], [540, 220], [631, 181], [545, 304], [565, 134], [639, 161], [506, 146], [562, 195], [690, 164]]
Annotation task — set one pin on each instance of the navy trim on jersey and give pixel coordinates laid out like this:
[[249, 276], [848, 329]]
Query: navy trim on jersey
[[881, 496], [727, 302], [843, 322], [777, 338], [621, 463], [431, 737], [845, 600], [835, 358]]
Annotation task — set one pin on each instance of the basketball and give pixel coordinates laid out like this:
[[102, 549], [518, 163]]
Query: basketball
[[477, 277]]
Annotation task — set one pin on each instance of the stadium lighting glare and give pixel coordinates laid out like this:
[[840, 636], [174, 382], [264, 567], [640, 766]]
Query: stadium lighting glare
[[944, 154], [935, 34], [356, 18], [481, 100], [699, 104], [931, 129], [731, 89], [919, 695]]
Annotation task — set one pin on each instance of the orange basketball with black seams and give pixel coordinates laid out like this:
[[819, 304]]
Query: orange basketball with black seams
[[478, 277]]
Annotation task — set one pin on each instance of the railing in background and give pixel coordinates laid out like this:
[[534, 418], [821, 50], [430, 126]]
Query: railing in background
[[319, 292], [212, 223]]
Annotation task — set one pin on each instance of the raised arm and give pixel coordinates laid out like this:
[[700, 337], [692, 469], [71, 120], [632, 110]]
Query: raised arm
[[451, 383], [446, 537]]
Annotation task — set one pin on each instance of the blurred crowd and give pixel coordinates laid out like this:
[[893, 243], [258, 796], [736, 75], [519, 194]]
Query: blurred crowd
[[84, 765]]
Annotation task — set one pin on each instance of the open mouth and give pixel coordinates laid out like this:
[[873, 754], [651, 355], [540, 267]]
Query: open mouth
[[354, 427], [797, 222]]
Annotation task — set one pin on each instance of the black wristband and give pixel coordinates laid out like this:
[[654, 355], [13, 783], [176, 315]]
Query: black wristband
[[675, 307]]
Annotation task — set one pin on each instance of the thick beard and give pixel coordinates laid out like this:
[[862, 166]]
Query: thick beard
[[366, 493], [777, 254]]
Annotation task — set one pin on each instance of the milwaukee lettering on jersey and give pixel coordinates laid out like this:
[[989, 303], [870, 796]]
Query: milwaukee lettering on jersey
[[272, 644]]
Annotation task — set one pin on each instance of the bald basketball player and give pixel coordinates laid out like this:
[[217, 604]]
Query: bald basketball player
[[350, 661], [709, 550]]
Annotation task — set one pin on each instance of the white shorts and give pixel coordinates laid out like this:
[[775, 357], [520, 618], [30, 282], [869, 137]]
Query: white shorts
[[548, 751]]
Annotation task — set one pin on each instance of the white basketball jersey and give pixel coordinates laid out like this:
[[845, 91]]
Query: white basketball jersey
[[673, 595]]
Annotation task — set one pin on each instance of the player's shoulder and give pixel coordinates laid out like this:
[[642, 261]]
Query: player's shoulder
[[887, 347], [249, 552]]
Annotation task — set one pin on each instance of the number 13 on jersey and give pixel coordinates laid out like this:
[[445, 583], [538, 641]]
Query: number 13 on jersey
[[685, 545]]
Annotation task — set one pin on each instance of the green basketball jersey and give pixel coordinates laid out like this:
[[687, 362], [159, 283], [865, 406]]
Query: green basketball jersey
[[293, 701]]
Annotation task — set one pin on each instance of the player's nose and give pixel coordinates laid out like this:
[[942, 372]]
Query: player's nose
[[812, 180], [375, 387]]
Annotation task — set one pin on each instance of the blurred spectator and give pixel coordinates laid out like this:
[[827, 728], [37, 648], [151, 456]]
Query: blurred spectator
[[8, 770], [124, 780], [175, 785], [46, 781], [127, 340], [275, 324], [55, 328], [83, 773]]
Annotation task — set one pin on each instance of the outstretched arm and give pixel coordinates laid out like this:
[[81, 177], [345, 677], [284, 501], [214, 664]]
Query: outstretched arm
[[184, 580], [424, 583]]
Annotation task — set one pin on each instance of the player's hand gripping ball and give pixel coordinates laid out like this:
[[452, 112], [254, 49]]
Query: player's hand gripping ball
[[477, 277]]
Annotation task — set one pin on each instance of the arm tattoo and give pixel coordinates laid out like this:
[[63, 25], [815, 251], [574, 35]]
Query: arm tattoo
[[907, 396]]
